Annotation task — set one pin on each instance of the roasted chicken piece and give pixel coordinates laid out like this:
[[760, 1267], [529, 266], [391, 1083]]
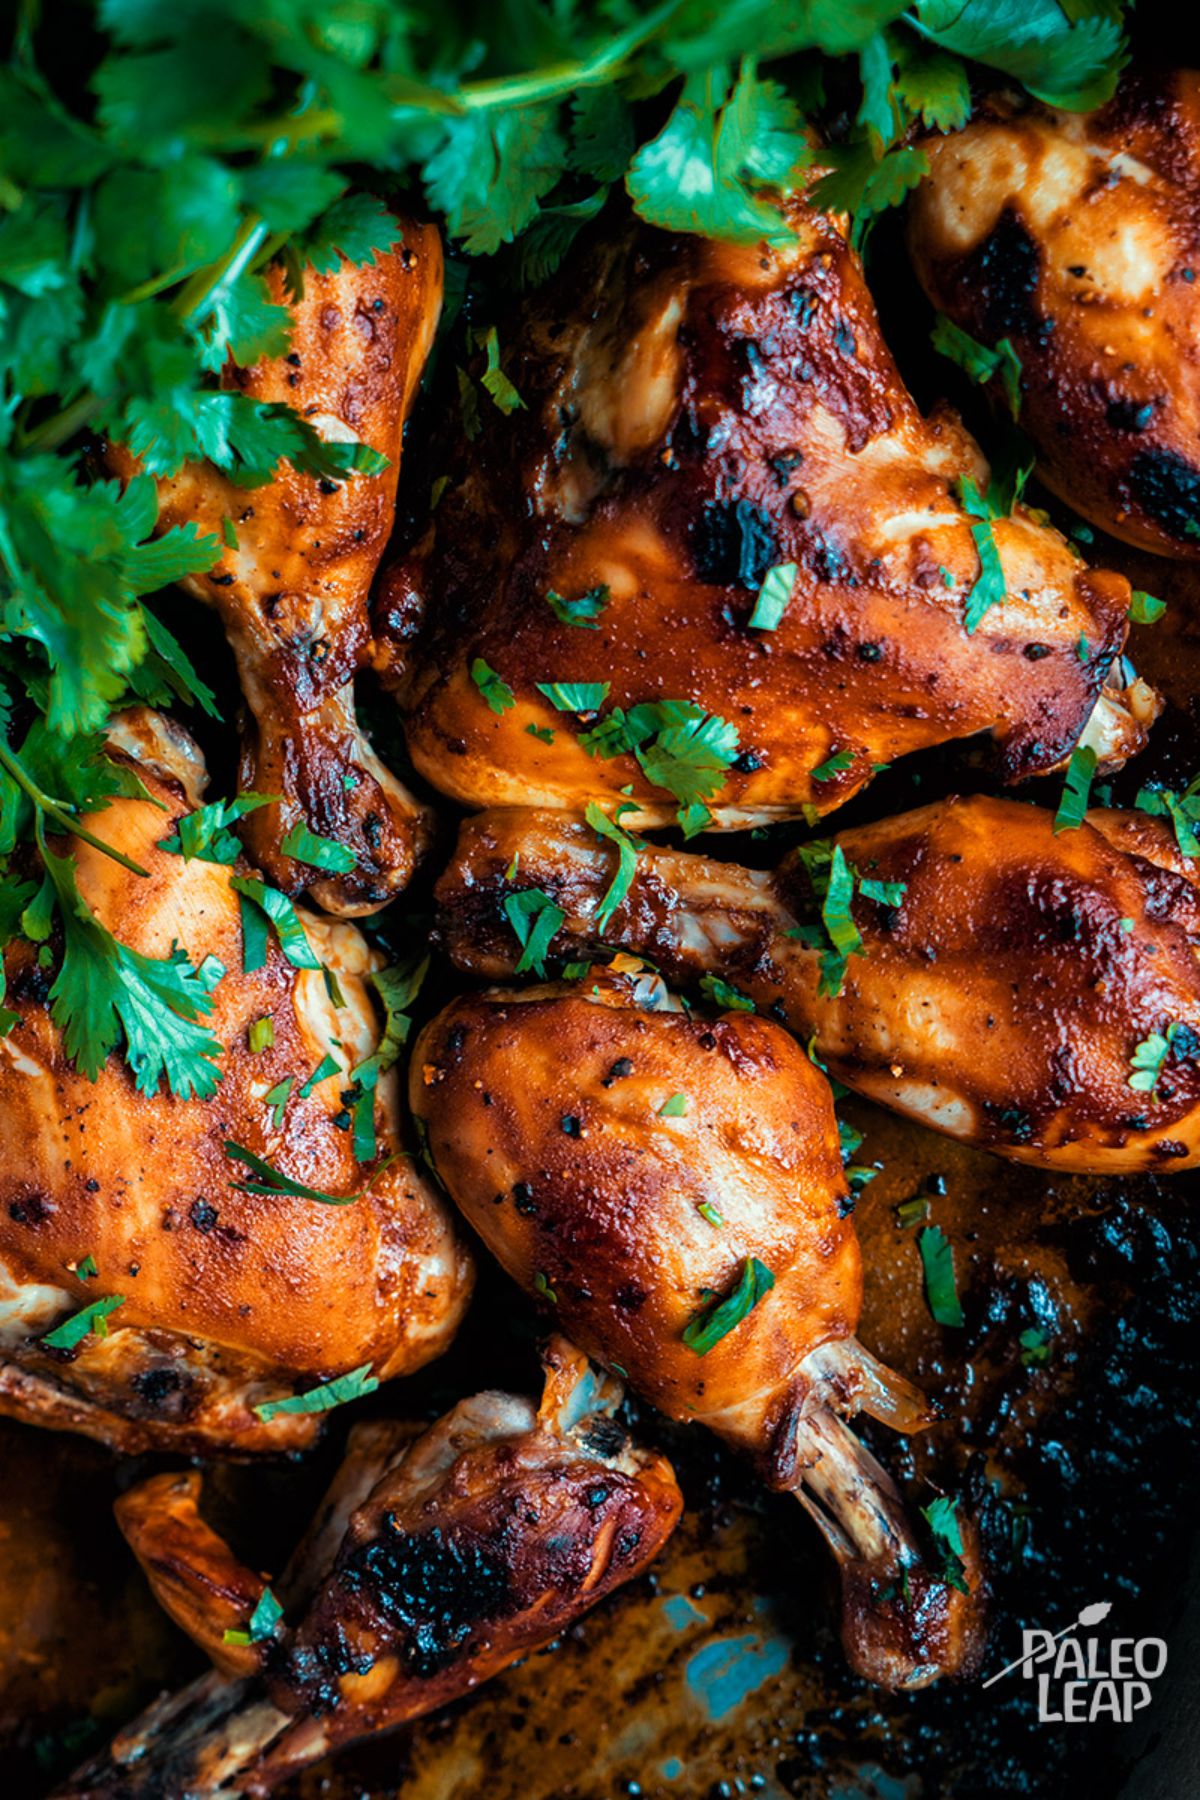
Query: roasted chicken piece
[[1075, 238], [292, 590], [673, 1187], [698, 415], [229, 1298], [1032, 992], [434, 1563]]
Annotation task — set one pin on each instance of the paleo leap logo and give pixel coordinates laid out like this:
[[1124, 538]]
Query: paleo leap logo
[[1080, 1678]]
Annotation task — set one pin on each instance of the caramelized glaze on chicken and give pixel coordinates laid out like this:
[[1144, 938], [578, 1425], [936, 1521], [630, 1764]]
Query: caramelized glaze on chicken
[[292, 592], [231, 1298], [1002, 999], [637, 1168], [452, 1556], [1077, 237], [697, 414]]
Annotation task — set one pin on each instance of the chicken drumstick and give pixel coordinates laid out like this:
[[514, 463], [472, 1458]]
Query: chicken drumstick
[[673, 1187], [1032, 992], [437, 1559]]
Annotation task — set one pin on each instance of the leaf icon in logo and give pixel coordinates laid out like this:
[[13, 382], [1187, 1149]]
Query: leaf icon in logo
[[1092, 1615]]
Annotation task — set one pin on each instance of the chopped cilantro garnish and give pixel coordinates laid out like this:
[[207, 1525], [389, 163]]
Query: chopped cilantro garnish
[[397, 986], [942, 1518], [541, 1286], [494, 380], [317, 852], [773, 596], [1144, 609], [354, 1386], [979, 363], [720, 993], [885, 893], [327, 1066], [680, 747], [259, 899], [675, 1106], [261, 1034], [719, 1317], [693, 819], [627, 850], [1181, 807], [1035, 1346], [105, 991], [493, 687], [92, 1320], [86, 1268], [1151, 1056], [276, 1098], [204, 835], [575, 696], [584, 610], [271, 1181], [834, 765], [709, 1214], [914, 1211], [1073, 806], [535, 919], [940, 1289], [542, 732], [265, 1617]]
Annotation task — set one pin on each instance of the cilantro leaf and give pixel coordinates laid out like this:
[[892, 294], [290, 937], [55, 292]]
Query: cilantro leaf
[[937, 1257], [584, 610], [627, 850], [317, 852], [338, 1392], [718, 1318], [494, 689], [92, 1320], [494, 381], [105, 991], [704, 170], [535, 919], [1144, 609], [1072, 63], [293, 940], [979, 363], [204, 835], [1076, 789], [774, 597], [267, 1610], [268, 1180], [574, 696], [860, 183]]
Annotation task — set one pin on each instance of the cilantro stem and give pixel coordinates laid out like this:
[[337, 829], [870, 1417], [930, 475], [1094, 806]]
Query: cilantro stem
[[44, 804], [52, 433], [563, 78], [199, 294]]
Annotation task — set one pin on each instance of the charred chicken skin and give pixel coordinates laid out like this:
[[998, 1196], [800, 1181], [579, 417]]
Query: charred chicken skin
[[229, 1298], [698, 415], [292, 590], [436, 1561], [1075, 237], [673, 1187], [1032, 992]]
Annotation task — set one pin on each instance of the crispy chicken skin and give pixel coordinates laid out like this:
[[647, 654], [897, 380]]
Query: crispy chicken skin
[[695, 414], [1001, 1001], [292, 595], [1077, 237], [231, 1298], [458, 1553], [627, 1163]]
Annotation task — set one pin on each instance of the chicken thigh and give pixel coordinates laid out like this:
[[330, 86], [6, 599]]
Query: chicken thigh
[[1034, 992], [1075, 237], [291, 588], [673, 1187], [437, 1559], [719, 558], [220, 1293]]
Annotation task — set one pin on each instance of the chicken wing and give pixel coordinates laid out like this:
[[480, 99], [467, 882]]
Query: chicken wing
[[1074, 237], [459, 1552], [230, 1298], [1032, 992], [720, 556], [291, 589], [673, 1187]]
